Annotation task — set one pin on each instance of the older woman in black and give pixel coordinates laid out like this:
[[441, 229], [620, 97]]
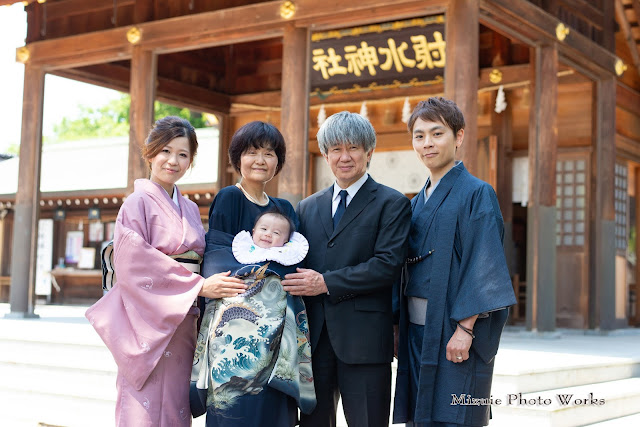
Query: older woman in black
[[257, 152]]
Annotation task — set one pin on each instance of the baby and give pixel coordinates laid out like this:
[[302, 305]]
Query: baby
[[272, 229], [274, 239]]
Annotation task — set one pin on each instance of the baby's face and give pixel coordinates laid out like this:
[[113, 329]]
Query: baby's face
[[270, 231]]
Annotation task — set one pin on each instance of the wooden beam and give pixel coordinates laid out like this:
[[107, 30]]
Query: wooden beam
[[27, 207], [143, 86], [628, 99], [66, 8], [628, 148], [85, 49], [461, 71], [522, 20], [628, 36], [294, 117], [541, 212], [193, 97], [117, 77], [351, 14], [110, 76], [512, 76]]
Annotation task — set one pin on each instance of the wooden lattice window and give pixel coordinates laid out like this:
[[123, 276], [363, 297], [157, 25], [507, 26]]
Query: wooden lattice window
[[571, 185], [621, 206]]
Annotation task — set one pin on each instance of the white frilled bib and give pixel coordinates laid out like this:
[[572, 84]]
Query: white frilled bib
[[247, 252]]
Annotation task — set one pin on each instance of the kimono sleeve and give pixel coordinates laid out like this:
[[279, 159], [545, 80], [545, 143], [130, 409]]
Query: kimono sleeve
[[153, 295], [484, 284]]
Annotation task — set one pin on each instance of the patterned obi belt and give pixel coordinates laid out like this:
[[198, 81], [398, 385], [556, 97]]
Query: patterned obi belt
[[189, 260]]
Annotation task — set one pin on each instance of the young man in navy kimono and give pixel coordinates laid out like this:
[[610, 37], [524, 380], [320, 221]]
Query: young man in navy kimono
[[453, 303]]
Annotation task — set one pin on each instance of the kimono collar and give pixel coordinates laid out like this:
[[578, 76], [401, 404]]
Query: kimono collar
[[422, 215], [161, 195], [429, 183]]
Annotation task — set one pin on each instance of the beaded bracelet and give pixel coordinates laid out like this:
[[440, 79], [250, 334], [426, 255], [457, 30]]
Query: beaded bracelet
[[467, 330]]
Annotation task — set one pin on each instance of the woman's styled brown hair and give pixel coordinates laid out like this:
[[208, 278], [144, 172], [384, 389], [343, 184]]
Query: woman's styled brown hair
[[166, 130], [257, 135]]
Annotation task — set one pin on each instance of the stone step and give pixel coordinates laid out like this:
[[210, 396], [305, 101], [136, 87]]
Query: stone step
[[57, 355], [540, 378], [61, 381], [628, 421], [585, 404], [531, 365]]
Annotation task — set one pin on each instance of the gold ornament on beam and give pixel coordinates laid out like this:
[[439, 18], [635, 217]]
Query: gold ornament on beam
[[495, 76], [621, 67], [287, 10], [134, 35], [42, 1], [22, 54], [562, 31]]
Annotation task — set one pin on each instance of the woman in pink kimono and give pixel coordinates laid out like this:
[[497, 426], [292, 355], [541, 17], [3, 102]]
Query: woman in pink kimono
[[148, 319]]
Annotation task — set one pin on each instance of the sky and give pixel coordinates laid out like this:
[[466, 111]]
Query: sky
[[62, 97]]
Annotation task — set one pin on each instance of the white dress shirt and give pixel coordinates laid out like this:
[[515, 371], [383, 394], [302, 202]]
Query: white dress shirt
[[351, 192]]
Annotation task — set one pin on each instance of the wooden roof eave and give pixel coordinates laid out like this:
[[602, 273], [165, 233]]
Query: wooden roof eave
[[208, 29], [520, 19]]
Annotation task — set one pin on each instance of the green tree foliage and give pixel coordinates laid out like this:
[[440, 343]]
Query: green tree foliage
[[112, 119]]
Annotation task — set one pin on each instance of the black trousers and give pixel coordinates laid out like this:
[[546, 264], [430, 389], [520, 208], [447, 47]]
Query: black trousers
[[365, 389]]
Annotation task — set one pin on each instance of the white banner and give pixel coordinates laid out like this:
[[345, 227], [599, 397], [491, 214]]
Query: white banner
[[44, 257]]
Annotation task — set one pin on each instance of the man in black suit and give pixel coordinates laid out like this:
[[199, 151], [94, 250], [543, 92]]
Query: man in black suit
[[357, 231]]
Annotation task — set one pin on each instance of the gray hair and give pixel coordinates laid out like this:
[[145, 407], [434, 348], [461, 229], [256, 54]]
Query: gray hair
[[346, 128]]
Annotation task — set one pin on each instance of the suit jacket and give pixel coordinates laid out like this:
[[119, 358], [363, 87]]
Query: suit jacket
[[360, 262]]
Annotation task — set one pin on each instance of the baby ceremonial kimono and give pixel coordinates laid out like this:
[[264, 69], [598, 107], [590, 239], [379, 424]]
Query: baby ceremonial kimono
[[147, 320], [257, 339]]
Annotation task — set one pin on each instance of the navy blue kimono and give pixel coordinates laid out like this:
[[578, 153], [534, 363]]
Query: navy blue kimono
[[466, 274], [231, 212]]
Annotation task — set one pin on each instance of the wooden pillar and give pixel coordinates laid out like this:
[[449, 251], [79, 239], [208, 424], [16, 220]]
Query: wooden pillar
[[27, 207], [143, 91], [294, 118], [501, 126], [462, 71], [602, 295], [541, 214], [225, 170]]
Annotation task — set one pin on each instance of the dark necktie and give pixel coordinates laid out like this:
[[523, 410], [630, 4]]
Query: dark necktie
[[342, 206]]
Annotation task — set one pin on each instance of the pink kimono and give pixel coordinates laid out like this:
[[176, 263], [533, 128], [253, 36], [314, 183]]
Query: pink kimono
[[148, 320]]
